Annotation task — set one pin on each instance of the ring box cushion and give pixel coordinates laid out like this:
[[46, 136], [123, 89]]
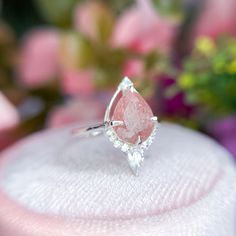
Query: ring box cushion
[[52, 184]]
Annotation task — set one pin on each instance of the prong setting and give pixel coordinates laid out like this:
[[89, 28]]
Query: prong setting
[[139, 141], [115, 123], [154, 118]]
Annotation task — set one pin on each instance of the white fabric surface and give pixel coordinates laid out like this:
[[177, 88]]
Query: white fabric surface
[[187, 185]]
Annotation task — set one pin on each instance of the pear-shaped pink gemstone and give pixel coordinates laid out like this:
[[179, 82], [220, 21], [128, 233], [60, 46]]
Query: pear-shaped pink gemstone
[[136, 114]]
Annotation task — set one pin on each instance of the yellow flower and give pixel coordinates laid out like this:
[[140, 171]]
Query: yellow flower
[[205, 45], [186, 80], [231, 67]]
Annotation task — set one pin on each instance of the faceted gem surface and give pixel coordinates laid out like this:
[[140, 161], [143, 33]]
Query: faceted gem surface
[[136, 114]]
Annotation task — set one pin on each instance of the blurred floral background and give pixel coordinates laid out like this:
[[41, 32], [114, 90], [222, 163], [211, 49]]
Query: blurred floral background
[[60, 61]]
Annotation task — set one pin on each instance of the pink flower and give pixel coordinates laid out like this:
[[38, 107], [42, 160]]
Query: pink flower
[[77, 82], [216, 18], [93, 19], [9, 115], [133, 68], [84, 20], [77, 110], [39, 57], [141, 29]]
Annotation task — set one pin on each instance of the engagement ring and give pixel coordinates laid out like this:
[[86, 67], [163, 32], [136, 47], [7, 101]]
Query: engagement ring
[[128, 123]]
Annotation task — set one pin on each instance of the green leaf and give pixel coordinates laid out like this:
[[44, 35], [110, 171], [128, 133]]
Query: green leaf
[[76, 51], [57, 12], [117, 6], [170, 7]]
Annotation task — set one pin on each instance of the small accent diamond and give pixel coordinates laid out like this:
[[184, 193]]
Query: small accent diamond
[[117, 144], [109, 132], [125, 148]]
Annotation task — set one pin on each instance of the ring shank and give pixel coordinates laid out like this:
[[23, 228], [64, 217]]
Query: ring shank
[[90, 131], [95, 130]]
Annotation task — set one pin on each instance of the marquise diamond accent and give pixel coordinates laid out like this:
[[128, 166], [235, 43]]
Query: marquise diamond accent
[[135, 160]]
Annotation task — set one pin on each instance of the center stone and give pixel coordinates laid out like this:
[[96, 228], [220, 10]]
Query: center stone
[[136, 114]]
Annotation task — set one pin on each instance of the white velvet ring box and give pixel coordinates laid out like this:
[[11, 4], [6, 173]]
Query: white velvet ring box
[[51, 185]]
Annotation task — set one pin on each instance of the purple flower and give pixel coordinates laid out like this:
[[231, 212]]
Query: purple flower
[[224, 130]]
